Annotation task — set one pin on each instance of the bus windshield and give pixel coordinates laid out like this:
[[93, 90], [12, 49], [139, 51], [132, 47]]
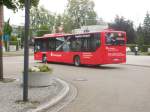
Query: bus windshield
[[114, 38]]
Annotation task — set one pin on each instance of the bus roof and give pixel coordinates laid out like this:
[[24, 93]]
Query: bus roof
[[63, 34]]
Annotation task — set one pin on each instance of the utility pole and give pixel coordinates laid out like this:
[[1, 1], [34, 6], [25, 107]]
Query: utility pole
[[1, 44], [26, 51]]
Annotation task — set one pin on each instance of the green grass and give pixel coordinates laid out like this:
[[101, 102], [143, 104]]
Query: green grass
[[145, 53]]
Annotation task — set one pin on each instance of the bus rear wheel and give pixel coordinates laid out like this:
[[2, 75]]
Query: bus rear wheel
[[44, 59], [77, 61]]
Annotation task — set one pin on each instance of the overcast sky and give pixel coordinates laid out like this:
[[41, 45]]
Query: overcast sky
[[134, 10]]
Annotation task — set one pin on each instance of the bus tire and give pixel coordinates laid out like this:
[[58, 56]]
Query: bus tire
[[44, 59], [77, 61]]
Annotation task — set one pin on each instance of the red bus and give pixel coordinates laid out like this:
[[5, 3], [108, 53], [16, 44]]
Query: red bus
[[92, 48]]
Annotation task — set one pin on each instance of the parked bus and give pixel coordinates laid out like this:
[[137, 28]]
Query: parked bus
[[93, 48]]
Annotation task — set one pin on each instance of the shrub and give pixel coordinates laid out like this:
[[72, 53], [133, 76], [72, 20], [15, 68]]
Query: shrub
[[148, 53], [131, 46], [40, 68], [144, 48], [13, 38], [13, 42]]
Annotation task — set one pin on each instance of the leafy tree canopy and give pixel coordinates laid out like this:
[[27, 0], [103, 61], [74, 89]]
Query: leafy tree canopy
[[146, 29], [41, 21], [124, 25], [15, 4], [81, 12], [7, 28]]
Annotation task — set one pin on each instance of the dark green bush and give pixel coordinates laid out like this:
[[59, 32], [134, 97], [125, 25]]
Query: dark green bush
[[131, 46], [45, 68], [13, 38], [148, 53], [142, 48], [13, 42]]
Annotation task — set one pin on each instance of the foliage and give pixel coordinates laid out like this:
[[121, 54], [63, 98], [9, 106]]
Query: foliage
[[58, 23], [143, 33], [16, 4], [10, 4], [124, 25], [43, 30], [20, 32], [131, 46], [41, 68], [81, 12], [7, 28], [13, 42], [140, 36], [146, 29], [144, 48], [42, 21], [34, 3], [13, 38], [67, 23]]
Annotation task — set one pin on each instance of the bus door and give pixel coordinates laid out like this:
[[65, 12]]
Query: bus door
[[55, 49], [59, 49], [40, 47], [66, 50]]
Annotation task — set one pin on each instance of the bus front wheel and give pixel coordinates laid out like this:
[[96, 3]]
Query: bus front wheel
[[77, 61]]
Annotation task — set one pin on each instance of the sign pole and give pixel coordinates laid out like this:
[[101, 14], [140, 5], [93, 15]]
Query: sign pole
[[26, 51]]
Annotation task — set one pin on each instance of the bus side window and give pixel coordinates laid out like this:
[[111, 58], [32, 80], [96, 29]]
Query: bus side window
[[51, 44], [44, 45], [36, 47], [75, 44], [108, 38], [66, 44], [95, 41]]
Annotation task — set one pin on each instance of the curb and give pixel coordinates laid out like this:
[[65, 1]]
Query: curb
[[54, 100], [13, 55], [148, 66]]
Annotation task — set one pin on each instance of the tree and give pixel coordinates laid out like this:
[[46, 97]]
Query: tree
[[146, 29], [7, 28], [14, 5], [43, 29], [42, 21], [124, 25], [7, 33], [81, 12], [67, 23], [140, 36]]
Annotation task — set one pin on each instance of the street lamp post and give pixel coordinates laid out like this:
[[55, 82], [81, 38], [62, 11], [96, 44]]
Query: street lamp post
[[26, 51]]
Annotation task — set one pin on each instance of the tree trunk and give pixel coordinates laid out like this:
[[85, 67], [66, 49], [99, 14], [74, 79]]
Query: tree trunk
[[1, 48]]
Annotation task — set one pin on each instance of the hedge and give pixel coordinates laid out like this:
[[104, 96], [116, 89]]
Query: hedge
[[142, 48], [13, 42]]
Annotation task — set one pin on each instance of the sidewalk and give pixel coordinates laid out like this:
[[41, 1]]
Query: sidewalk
[[138, 60], [40, 98], [17, 53]]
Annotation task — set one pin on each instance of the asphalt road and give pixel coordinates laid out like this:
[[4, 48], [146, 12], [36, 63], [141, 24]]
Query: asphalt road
[[109, 88]]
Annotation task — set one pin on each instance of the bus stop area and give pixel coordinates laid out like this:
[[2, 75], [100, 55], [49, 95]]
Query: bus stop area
[[40, 98]]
